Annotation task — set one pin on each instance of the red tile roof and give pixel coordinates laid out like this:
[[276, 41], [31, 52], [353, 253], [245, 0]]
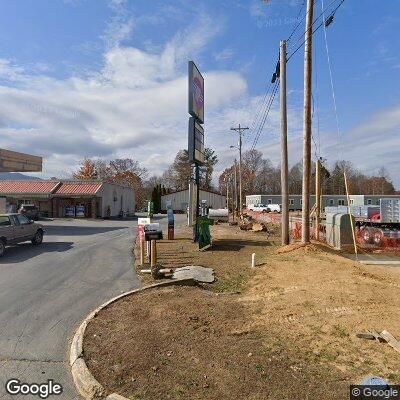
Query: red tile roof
[[28, 187], [78, 189]]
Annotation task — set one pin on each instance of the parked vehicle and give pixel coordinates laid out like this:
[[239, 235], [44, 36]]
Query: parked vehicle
[[274, 208], [17, 228], [257, 207], [29, 210], [265, 208]]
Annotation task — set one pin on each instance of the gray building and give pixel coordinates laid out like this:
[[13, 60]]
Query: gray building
[[295, 200], [180, 200]]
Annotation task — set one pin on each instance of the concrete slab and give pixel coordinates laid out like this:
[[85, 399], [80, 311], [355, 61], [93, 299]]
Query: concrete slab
[[196, 272], [375, 259]]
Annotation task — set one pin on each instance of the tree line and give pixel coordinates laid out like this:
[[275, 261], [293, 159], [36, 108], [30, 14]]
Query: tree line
[[129, 172], [259, 176]]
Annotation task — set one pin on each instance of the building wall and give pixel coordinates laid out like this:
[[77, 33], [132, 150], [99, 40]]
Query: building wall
[[373, 199], [180, 200], [295, 202], [42, 202], [117, 198]]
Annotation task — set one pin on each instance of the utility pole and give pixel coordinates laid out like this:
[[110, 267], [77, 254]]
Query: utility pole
[[240, 131], [305, 231], [227, 193], [236, 192], [317, 197], [284, 150]]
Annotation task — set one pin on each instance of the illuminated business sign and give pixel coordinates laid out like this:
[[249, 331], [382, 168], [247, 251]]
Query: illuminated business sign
[[196, 142], [196, 93]]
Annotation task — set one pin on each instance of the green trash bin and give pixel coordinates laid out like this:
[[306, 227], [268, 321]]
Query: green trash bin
[[203, 232]]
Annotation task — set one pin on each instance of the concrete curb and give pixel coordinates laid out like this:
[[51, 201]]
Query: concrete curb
[[84, 381]]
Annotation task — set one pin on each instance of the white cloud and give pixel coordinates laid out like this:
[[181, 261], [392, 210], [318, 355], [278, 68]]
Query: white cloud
[[225, 54], [135, 106]]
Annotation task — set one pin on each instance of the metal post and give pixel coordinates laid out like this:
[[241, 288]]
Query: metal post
[[153, 252], [284, 150], [317, 197], [305, 232], [197, 201]]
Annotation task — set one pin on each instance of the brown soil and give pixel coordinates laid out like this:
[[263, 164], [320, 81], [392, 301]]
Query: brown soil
[[297, 313], [188, 343]]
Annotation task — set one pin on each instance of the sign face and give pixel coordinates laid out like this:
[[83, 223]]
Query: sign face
[[196, 142], [196, 93], [12, 161], [80, 211], [70, 211]]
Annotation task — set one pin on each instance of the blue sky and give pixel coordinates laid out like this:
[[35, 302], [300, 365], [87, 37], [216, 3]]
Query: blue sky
[[107, 79]]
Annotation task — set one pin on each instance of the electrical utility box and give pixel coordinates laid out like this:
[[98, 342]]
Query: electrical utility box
[[338, 231]]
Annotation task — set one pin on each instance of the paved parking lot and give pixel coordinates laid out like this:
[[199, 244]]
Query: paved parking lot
[[45, 291]]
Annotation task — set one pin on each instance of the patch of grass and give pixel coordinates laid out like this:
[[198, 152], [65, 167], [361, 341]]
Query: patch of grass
[[307, 304], [164, 360], [179, 393], [393, 378], [233, 283], [340, 331], [260, 368]]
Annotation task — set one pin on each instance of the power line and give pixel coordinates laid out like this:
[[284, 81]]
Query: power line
[[260, 108], [323, 22], [332, 85], [299, 22], [266, 113], [275, 80]]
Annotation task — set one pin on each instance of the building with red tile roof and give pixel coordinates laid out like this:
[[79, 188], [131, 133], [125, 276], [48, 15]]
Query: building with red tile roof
[[36, 187], [56, 198]]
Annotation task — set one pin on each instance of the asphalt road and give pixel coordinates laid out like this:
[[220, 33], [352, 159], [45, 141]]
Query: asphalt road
[[45, 292]]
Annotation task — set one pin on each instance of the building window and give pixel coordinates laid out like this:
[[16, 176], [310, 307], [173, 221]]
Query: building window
[[369, 201], [341, 202], [351, 201], [291, 202], [331, 202]]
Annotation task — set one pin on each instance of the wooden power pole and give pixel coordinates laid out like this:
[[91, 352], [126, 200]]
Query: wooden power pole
[[240, 131], [284, 150], [305, 232], [236, 192], [317, 197]]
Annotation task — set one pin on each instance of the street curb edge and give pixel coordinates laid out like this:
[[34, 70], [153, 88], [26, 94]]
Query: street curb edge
[[84, 381]]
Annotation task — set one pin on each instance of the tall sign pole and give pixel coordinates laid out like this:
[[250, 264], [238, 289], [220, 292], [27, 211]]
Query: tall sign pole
[[196, 131], [305, 232], [284, 150]]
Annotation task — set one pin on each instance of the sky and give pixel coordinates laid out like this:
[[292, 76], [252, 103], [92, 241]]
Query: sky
[[108, 78]]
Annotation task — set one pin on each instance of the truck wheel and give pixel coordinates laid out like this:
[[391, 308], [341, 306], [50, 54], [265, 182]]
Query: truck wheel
[[2, 248], [38, 238]]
